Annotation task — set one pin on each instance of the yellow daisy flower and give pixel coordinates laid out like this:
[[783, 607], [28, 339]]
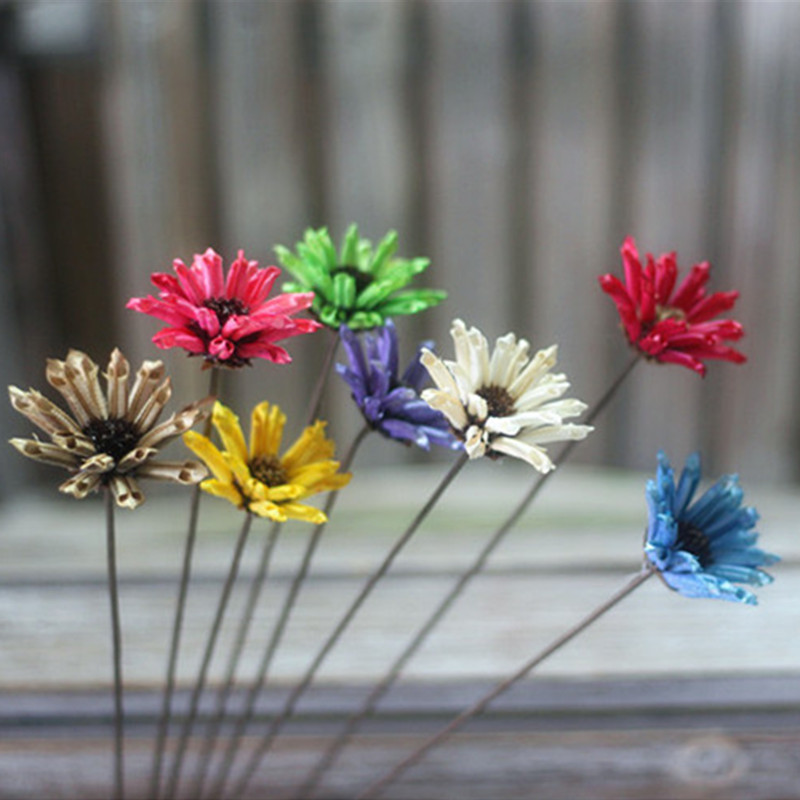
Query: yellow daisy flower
[[257, 478]]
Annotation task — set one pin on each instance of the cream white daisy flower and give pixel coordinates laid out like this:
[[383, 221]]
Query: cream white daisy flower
[[503, 403]]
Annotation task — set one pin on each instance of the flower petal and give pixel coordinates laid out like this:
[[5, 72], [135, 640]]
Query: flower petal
[[703, 548]]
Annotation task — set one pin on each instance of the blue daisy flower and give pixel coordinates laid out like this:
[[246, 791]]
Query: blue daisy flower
[[702, 549], [390, 404]]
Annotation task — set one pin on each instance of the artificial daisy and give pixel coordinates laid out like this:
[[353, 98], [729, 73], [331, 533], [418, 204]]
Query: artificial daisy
[[112, 439], [702, 549], [389, 403], [672, 325], [502, 403], [227, 320], [360, 286], [257, 478]]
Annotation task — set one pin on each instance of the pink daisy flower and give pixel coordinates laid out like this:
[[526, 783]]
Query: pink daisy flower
[[228, 320], [670, 325]]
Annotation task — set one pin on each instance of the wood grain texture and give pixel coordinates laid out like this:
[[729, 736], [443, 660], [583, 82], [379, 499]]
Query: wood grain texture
[[514, 143], [366, 146], [764, 171], [558, 564], [469, 104], [665, 698], [705, 738], [569, 87], [157, 162]]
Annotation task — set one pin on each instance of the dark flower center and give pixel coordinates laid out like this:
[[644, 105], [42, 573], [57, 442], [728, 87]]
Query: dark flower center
[[114, 437], [669, 312], [662, 313], [362, 279], [499, 401], [694, 541], [268, 470], [226, 307]]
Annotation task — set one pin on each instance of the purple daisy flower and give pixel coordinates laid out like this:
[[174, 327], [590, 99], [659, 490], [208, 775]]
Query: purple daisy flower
[[390, 404]]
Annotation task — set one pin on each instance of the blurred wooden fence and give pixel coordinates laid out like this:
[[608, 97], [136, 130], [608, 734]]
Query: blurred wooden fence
[[515, 143]]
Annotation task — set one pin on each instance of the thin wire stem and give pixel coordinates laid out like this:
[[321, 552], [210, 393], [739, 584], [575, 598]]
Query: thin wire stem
[[177, 624], [194, 702], [327, 363], [256, 585], [280, 626], [380, 689], [378, 786], [298, 691], [116, 639], [609, 394]]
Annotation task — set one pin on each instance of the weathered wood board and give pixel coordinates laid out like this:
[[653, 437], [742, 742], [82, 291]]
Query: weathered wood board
[[665, 698]]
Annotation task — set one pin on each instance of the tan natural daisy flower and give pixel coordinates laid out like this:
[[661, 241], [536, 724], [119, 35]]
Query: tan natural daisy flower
[[503, 402], [109, 439]]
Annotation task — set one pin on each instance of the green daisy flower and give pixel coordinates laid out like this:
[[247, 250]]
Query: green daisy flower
[[359, 287]]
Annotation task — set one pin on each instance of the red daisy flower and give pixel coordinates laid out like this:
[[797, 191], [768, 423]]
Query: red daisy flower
[[229, 320], [676, 327]]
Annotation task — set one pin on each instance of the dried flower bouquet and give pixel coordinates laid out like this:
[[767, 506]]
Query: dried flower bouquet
[[499, 401]]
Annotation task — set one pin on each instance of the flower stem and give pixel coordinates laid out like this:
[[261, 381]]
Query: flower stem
[[393, 673], [116, 638], [378, 786], [194, 701], [256, 585], [180, 606], [609, 394], [297, 692], [325, 369], [280, 626]]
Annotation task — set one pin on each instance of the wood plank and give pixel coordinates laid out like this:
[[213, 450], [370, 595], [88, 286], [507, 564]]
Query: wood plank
[[47, 537], [671, 162], [543, 703], [468, 114], [368, 160], [154, 114], [263, 82], [763, 189], [626, 739], [256, 77], [21, 256], [555, 568], [568, 90], [660, 633], [367, 150]]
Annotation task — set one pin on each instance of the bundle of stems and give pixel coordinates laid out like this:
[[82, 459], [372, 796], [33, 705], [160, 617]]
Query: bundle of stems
[[500, 402]]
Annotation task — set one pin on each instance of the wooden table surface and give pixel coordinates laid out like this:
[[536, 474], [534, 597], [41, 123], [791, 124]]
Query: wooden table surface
[[664, 698]]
